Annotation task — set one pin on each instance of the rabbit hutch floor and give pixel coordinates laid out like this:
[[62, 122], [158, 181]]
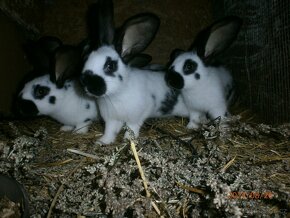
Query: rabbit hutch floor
[[219, 171]]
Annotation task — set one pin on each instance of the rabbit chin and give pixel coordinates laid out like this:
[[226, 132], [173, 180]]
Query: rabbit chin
[[90, 94]]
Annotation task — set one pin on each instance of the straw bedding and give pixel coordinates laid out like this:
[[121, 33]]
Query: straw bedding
[[217, 170]]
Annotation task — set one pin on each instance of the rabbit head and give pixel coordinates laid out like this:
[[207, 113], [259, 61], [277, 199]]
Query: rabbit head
[[49, 58], [105, 71], [39, 96], [189, 69]]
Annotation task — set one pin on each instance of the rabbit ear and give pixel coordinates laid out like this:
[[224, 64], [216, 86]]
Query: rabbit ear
[[176, 52], [100, 21], [68, 64], [39, 52], [136, 34], [140, 60], [213, 40]]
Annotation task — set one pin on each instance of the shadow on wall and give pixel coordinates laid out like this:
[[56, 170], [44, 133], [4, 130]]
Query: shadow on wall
[[12, 62]]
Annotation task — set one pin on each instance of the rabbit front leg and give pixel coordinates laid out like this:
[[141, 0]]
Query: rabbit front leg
[[216, 112], [112, 128], [194, 120], [135, 127], [66, 128], [222, 113], [83, 128]]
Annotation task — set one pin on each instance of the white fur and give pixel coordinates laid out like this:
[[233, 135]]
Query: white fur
[[205, 95], [70, 107], [133, 99]]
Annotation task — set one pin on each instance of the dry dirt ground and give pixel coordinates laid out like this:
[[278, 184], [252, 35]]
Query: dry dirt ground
[[237, 170]]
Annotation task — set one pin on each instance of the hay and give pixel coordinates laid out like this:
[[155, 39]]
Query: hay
[[188, 172]]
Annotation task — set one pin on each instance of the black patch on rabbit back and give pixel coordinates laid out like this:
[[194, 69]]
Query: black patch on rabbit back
[[39, 92], [110, 67], [52, 99], [88, 106], [169, 102]]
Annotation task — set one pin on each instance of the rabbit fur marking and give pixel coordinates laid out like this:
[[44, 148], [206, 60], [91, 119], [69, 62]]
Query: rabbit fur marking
[[126, 95], [67, 105], [206, 88]]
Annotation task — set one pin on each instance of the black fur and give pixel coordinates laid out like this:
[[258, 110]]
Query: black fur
[[93, 83], [197, 76], [110, 67], [87, 120], [169, 102], [26, 107], [52, 99], [229, 91], [88, 106], [120, 77], [39, 92], [189, 67], [67, 86], [154, 99], [173, 79]]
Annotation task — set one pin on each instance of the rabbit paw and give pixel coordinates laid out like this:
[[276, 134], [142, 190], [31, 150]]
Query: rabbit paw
[[82, 129], [105, 140], [192, 125], [66, 128]]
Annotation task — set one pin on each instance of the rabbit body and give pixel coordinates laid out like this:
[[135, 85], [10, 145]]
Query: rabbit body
[[132, 95], [68, 105]]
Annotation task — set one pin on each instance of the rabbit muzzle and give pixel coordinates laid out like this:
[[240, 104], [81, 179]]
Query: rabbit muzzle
[[174, 79], [93, 84], [26, 108]]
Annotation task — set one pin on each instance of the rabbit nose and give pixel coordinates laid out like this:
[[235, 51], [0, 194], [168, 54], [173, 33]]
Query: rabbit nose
[[26, 107], [174, 79], [94, 84]]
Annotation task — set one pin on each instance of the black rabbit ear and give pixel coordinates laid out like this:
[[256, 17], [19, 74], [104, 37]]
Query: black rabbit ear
[[175, 53], [68, 64], [50, 43], [140, 60], [213, 40], [136, 34], [39, 52], [100, 21]]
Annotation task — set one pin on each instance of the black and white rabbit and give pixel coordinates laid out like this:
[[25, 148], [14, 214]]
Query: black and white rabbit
[[126, 95], [47, 93], [206, 87]]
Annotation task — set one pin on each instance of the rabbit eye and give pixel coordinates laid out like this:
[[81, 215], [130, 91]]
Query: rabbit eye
[[40, 92], [189, 67], [110, 66]]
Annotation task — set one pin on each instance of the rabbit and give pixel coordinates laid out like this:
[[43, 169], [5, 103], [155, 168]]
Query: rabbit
[[68, 105], [125, 94], [48, 94], [205, 86]]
